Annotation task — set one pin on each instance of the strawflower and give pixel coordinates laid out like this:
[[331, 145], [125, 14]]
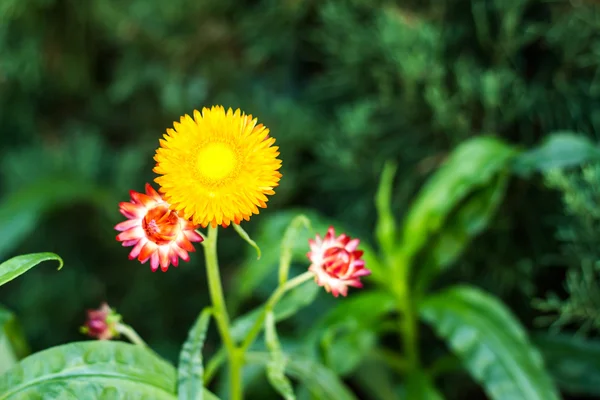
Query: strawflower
[[157, 233], [336, 262], [102, 323], [218, 167]]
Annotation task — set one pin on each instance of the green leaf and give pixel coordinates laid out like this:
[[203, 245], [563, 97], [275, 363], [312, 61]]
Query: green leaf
[[347, 333], [287, 245], [18, 265], [385, 230], [90, 370], [468, 220], [248, 239], [291, 302], [559, 150], [472, 167], [190, 377], [276, 366], [490, 342], [13, 345], [375, 378], [420, 387], [574, 362], [321, 381]]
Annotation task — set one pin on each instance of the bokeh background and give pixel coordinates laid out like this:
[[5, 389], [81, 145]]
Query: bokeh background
[[88, 87]]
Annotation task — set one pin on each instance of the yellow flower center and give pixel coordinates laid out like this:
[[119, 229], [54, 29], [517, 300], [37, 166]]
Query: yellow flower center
[[216, 161]]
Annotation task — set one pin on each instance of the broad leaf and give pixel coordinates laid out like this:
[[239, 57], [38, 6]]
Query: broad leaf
[[559, 150], [471, 168], [91, 370], [490, 342], [320, 381], [276, 365], [420, 387], [468, 220], [190, 377], [18, 265], [13, 345], [375, 378], [347, 333], [573, 362]]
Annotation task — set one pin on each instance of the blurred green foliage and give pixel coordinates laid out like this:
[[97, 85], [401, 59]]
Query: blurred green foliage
[[87, 89]]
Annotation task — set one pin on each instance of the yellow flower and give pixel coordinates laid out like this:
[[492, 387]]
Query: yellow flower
[[218, 167]]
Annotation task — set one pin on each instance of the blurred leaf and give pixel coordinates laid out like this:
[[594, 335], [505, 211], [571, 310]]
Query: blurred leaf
[[385, 230], [13, 345], [473, 165], [190, 374], [491, 343], [376, 379], [287, 244], [247, 239], [420, 387], [558, 150], [344, 346], [295, 299], [468, 220], [320, 381], [347, 333], [574, 362], [18, 265], [90, 370], [20, 212], [276, 365]]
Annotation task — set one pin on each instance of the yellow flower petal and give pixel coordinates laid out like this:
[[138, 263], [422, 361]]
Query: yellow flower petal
[[218, 167]]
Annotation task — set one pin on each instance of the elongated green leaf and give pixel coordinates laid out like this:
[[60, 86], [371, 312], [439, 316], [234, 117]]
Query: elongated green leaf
[[573, 362], [375, 378], [18, 265], [287, 245], [490, 342], [559, 150], [276, 366], [90, 370], [13, 346], [321, 381], [471, 167], [385, 230], [468, 220], [190, 377], [248, 239], [420, 387], [346, 334]]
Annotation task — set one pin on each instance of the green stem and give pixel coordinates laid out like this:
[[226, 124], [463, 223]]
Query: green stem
[[220, 313], [131, 335], [408, 325], [270, 305]]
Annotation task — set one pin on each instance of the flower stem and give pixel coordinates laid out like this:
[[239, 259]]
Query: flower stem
[[277, 294], [408, 325], [131, 334], [220, 313]]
